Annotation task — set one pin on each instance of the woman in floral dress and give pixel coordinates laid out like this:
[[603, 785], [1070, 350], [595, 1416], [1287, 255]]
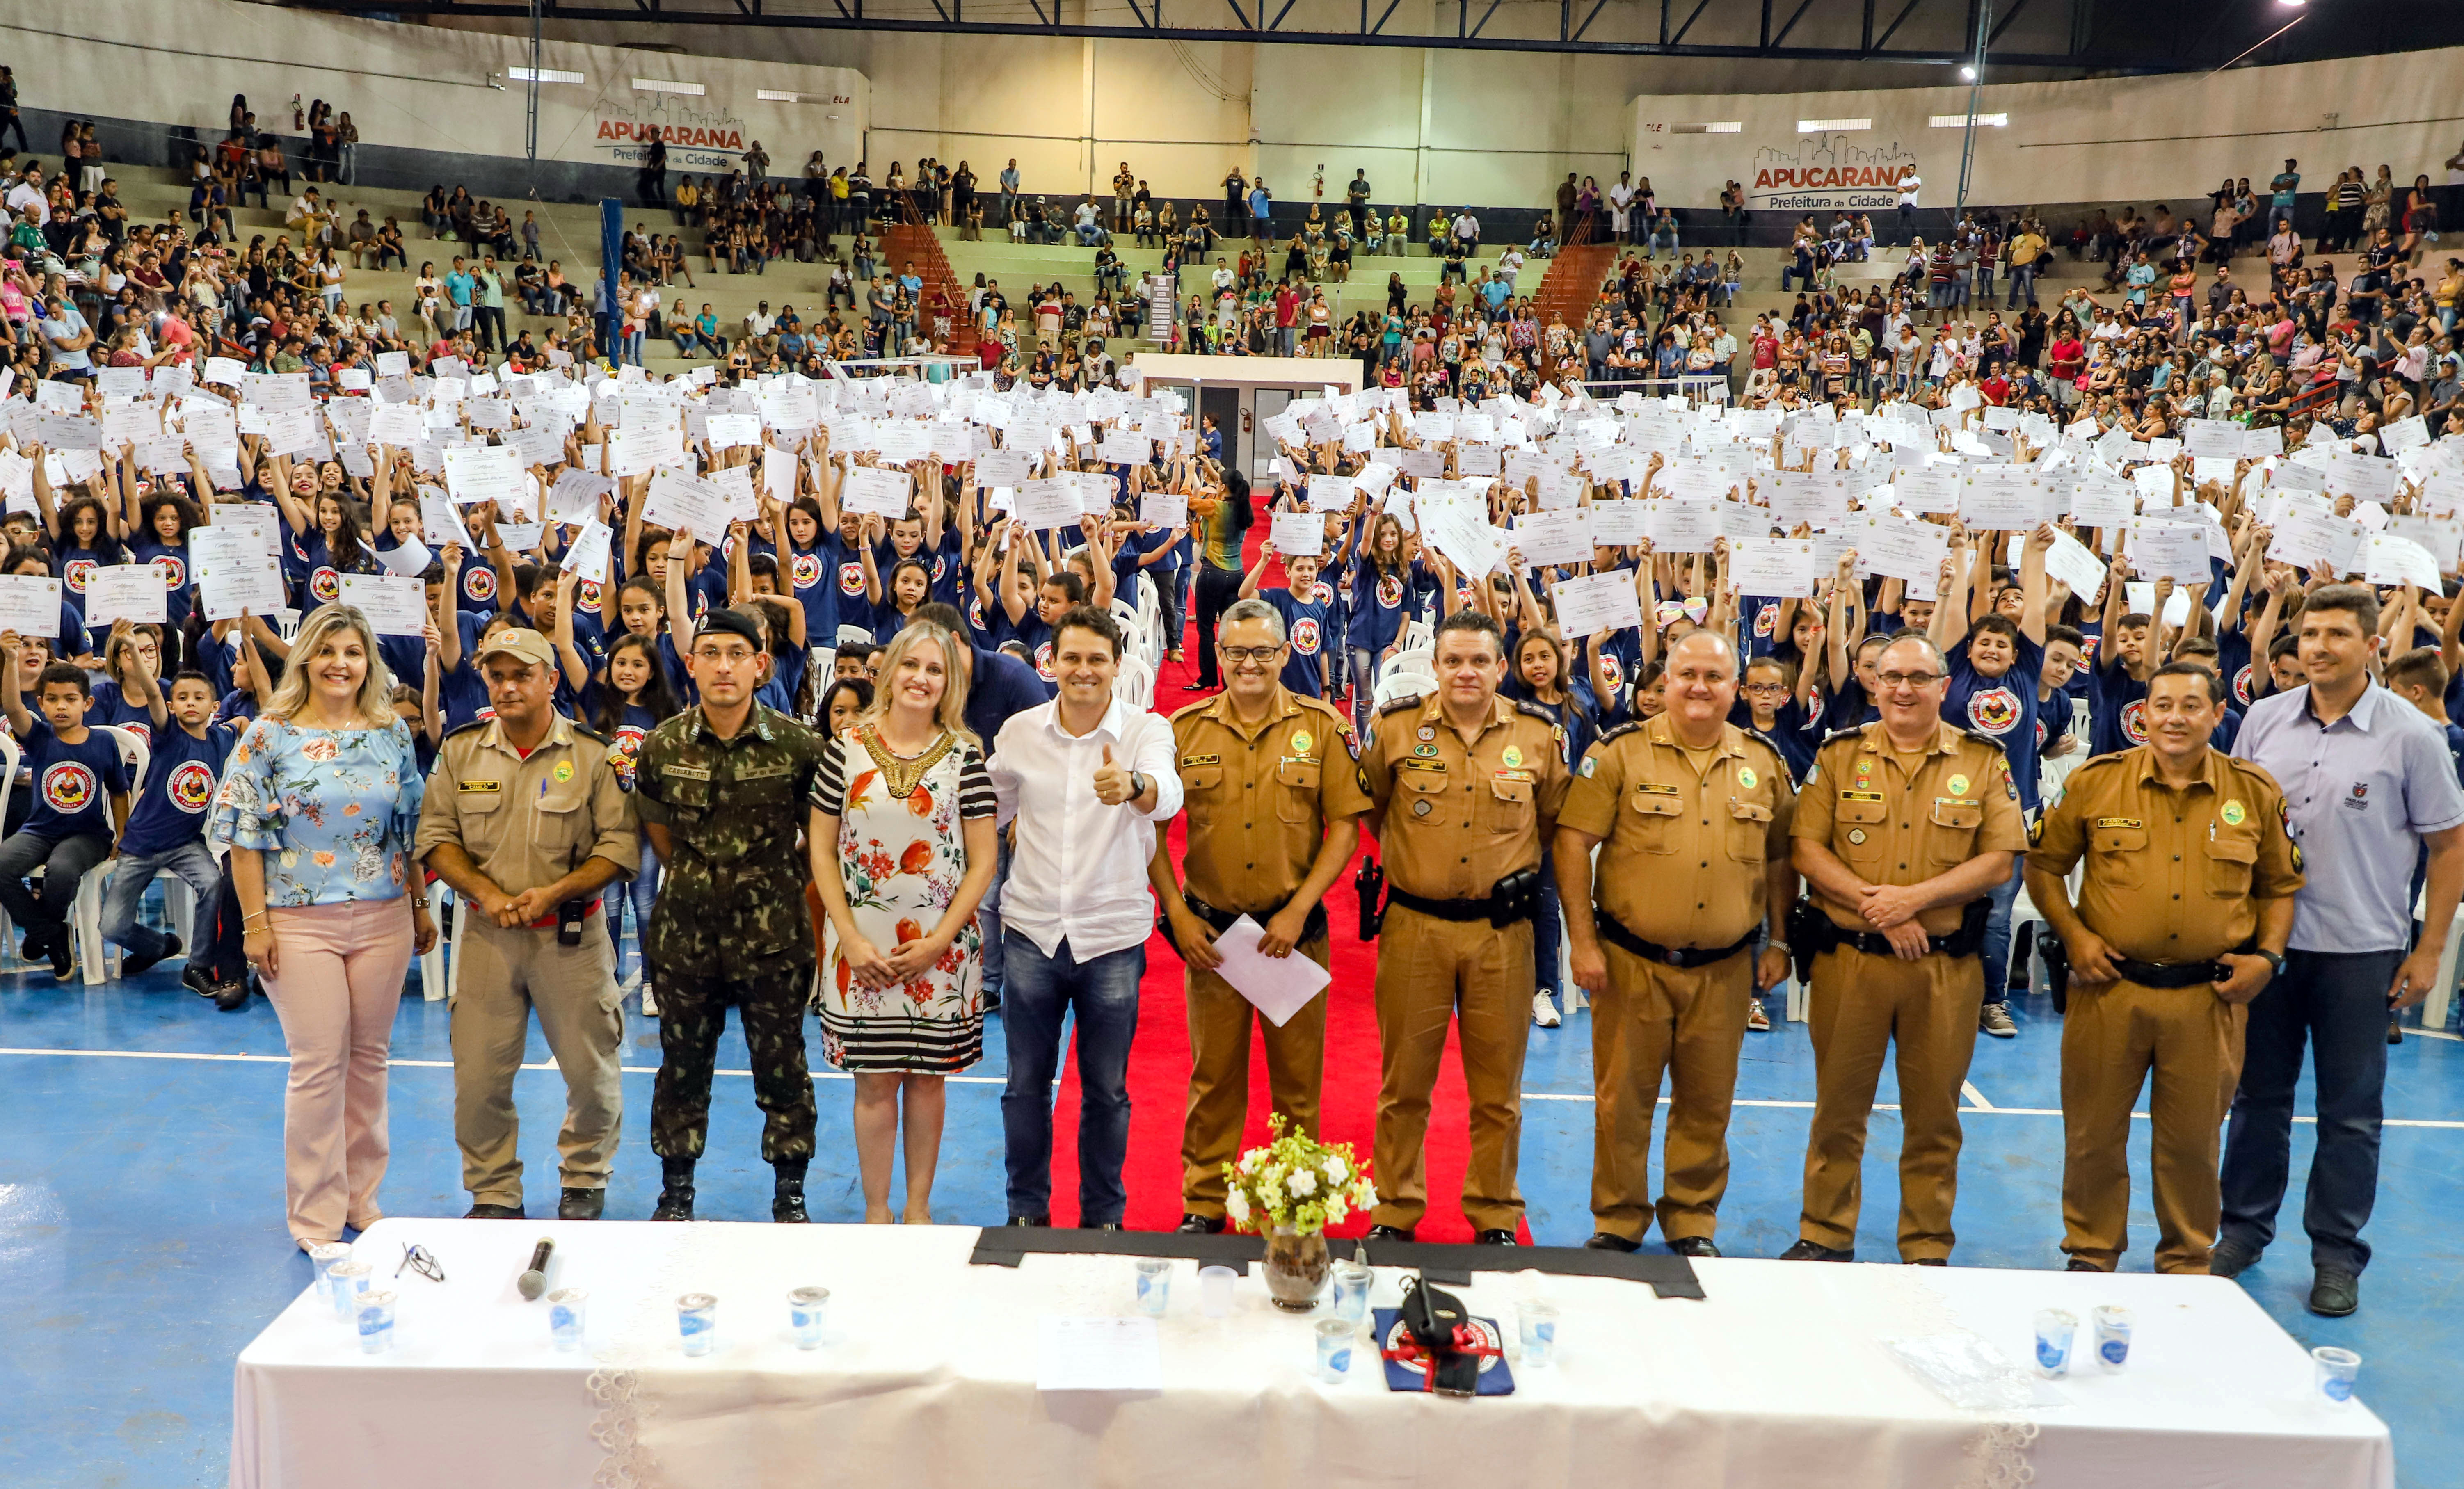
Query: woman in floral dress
[[903, 851]]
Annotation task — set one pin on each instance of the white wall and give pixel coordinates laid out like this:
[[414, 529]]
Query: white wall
[[2108, 139], [418, 86]]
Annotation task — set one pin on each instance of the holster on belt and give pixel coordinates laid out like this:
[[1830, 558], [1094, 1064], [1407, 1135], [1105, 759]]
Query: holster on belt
[[1371, 883], [1511, 901]]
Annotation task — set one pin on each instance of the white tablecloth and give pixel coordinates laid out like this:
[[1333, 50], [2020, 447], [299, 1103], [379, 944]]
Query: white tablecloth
[[1779, 1378]]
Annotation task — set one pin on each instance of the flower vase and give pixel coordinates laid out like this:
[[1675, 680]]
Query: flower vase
[[1296, 1268]]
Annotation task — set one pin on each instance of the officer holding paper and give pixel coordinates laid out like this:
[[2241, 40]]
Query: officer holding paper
[[1273, 793]]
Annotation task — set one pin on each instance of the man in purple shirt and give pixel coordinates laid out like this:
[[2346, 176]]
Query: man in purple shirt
[[2366, 782]]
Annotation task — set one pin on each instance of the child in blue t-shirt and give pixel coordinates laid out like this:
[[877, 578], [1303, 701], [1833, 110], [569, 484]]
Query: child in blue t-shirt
[[73, 769], [1303, 605], [165, 832]]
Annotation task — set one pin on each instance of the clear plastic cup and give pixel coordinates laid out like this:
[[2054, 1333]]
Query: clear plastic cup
[[697, 1321], [1215, 1291], [2112, 1334], [345, 1282], [375, 1316], [809, 1315], [1352, 1282], [2056, 1330], [1154, 1294], [1538, 1323], [568, 1314], [327, 1256], [1335, 1342], [2337, 1371]]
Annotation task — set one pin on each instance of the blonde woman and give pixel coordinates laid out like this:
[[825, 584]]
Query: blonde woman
[[318, 806], [903, 850]]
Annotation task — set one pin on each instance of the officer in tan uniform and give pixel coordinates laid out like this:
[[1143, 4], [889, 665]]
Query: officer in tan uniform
[[2183, 917], [1903, 830], [1272, 784], [1691, 816], [525, 818], [1466, 787]]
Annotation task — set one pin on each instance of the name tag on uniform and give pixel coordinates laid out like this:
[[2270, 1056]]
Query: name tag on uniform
[[1651, 788], [687, 772], [1515, 775], [1955, 801], [1861, 795], [1201, 760], [480, 785], [1422, 765], [765, 773], [2120, 822]]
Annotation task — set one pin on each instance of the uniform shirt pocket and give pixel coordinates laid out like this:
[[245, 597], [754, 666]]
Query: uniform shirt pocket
[[1954, 824], [1654, 821], [1861, 835], [2117, 854], [562, 821], [2230, 859], [1296, 799], [1509, 805], [1748, 831], [1202, 781], [481, 815]]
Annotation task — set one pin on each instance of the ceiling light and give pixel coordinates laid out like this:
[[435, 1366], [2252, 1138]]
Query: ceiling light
[[1967, 73], [661, 85], [545, 74], [1814, 126]]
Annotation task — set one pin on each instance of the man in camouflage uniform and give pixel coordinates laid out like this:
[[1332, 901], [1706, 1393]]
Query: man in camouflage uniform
[[721, 789]]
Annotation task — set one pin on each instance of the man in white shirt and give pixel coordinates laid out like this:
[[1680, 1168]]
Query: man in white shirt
[[1086, 780], [1910, 184], [1467, 229], [757, 323], [25, 198]]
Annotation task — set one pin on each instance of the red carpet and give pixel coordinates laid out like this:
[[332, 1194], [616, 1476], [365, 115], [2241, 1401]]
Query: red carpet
[[1159, 1065]]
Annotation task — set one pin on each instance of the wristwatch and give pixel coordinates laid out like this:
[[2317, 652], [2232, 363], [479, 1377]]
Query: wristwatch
[[1137, 784], [2275, 960]]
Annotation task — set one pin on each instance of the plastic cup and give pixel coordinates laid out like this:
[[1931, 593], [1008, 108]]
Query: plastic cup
[[327, 1256], [697, 1321], [1215, 1291], [1335, 1340], [809, 1315], [1154, 1286], [1352, 1280], [2337, 1370], [567, 1316], [2056, 1330], [2112, 1327], [375, 1316], [345, 1282], [1538, 1324]]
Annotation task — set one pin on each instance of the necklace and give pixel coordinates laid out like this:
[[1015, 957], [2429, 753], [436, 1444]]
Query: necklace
[[900, 773]]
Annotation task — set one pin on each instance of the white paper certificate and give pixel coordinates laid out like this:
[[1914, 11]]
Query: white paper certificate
[[1781, 568], [396, 604], [1596, 602], [124, 592]]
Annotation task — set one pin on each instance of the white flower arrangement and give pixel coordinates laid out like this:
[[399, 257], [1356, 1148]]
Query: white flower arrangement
[[1295, 1183]]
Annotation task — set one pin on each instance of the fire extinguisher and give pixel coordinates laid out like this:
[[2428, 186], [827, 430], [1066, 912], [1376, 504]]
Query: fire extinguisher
[[298, 115]]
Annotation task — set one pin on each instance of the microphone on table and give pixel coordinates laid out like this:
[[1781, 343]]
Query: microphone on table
[[534, 1281]]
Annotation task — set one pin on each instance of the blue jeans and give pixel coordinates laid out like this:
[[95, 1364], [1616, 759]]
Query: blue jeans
[[1997, 940], [643, 892], [2337, 1003], [993, 961], [1546, 927], [190, 860], [1037, 992]]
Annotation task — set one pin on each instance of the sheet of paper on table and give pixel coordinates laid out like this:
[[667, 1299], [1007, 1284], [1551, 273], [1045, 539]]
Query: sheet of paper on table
[[1279, 987], [1097, 1354]]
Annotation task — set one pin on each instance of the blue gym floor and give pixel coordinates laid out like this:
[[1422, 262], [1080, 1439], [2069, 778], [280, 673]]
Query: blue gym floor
[[142, 1240]]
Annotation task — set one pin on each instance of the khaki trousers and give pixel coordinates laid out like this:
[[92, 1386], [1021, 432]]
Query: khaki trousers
[[1429, 973], [505, 976], [1218, 1075], [1859, 1007], [2113, 1036], [1689, 1025]]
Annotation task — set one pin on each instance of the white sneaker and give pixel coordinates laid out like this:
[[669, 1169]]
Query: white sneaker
[[1544, 1012], [649, 1000]]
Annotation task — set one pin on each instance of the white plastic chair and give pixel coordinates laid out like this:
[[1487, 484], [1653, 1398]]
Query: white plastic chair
[[1135, 682], [1415, 659], [1133, 634], [437, 971], [854, 635], [1150, 609], [1398, 687], [86, 916], [2442, 993]]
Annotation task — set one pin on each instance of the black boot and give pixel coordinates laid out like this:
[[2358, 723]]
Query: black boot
[[787, 1199], [676, 1196]]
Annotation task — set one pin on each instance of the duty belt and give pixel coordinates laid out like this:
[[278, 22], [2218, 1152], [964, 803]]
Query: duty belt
[[1679, 956], [2176, 975], [1511, 902], [1312, 929]]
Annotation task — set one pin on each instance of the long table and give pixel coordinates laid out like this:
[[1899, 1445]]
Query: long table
[[1777, 1377]]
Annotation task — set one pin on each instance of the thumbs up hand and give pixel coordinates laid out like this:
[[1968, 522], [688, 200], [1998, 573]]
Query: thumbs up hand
[[1112, 782]]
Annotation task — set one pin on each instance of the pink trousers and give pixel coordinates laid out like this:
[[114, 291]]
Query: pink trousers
[[338, 982]]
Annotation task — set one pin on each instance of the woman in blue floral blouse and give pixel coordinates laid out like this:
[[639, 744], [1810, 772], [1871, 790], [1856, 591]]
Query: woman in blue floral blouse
[[318, 806]]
